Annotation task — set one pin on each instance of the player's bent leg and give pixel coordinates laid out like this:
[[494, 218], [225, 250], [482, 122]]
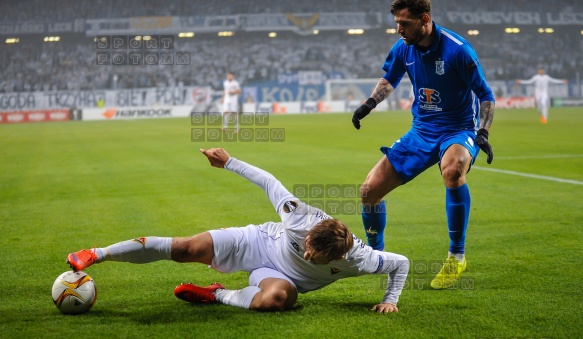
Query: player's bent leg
[[138, 251], [455, 164], [544, 110], [275, 295], [198, 248], [197, 294], [379, 182], [226, 114]]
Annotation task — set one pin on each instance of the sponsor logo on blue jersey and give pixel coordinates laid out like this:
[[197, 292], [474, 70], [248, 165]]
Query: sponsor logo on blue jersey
[[429, 98]]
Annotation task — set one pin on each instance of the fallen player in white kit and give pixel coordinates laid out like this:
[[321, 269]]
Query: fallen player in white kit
[[304, 252]]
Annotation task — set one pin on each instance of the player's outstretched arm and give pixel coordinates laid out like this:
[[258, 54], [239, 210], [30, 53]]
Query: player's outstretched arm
[[276, 192], [218, 157], [528, 82], [558, 81]]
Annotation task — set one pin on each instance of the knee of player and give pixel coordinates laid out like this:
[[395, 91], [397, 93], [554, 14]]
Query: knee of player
[[179, 249], [276, 300], [185, 249], [364, 190], [367, 194], [452, 172]]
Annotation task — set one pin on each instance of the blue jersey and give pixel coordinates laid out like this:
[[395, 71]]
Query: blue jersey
[[447, 79]]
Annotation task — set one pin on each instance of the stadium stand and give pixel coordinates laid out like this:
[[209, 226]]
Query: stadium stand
[[42, 10], [70, 64]]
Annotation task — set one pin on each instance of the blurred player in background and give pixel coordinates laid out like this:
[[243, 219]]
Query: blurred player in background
[[305, 251], [231, 91], [541, 83], [452, 114]]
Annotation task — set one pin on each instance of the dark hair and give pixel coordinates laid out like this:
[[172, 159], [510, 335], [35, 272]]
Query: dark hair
[[331, 238], [416, 7]]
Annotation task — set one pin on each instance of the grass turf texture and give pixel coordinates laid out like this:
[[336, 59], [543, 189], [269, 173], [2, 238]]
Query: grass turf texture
[[67, 186]]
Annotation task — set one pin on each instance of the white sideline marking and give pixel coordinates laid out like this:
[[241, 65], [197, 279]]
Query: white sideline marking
[[527, 175]]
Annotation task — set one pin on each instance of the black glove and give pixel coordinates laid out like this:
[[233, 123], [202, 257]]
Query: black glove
[[363, 111], [482, 141]]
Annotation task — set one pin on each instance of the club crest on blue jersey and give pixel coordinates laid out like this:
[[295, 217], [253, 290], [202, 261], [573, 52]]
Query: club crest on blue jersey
[[440, 67]]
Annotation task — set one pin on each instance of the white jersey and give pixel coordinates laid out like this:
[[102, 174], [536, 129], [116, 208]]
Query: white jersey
[[231, 86], [287, 242], [541, 84]]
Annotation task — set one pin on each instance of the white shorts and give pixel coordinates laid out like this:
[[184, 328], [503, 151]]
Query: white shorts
[[230, 106], [241, 249], [542, 101]]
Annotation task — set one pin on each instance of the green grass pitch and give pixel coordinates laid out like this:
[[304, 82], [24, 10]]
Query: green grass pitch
[[67, 186]]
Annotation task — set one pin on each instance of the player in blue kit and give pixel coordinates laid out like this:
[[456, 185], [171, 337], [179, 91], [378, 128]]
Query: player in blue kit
[[452, 112]]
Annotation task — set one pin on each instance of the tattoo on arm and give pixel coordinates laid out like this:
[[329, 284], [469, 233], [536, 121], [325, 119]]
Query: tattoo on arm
[[486, 114], [382, 90]]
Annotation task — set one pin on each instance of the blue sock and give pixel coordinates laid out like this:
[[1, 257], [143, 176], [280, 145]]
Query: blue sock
[[457, 208], [374, 219]]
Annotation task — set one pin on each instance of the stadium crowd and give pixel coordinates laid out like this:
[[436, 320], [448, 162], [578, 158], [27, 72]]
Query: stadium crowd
[[71, 63], [255, 58], [43, 10]]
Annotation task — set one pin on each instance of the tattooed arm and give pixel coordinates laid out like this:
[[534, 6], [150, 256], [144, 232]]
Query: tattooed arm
[[486, 114], [486, 117], [380, 93], [382, 90]]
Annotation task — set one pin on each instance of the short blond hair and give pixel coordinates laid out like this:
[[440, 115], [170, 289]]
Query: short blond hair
[[330, 238]]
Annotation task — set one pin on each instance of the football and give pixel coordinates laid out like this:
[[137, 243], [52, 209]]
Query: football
[[74, 292]]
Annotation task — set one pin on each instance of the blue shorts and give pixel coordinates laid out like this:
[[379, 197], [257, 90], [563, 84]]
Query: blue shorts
[[416, 151]]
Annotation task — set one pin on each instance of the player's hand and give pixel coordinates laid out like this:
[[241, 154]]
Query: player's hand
[[385, 308], [363, 111], [482, 141], [217, 156]]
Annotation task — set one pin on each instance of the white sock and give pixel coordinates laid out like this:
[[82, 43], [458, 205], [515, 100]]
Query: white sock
[[137, 251], [239, 298], [458, 256], [545, 112]]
